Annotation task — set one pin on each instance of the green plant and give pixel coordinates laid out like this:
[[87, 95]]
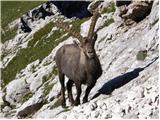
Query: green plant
[[26, 97], [57, 103], [77, 23], [11, 10], [33, 52], [109, 9], [44, 79], [141, 55], [108, 22], [47, 88], [9, 34], [55, 71]]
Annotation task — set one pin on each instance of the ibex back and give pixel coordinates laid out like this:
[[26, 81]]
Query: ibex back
[[79, 63]]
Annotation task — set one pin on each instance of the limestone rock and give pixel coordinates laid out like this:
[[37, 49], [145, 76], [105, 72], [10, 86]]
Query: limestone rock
[[134, 11], [153, 17], [16, 90], [127, 88], [31, 106]]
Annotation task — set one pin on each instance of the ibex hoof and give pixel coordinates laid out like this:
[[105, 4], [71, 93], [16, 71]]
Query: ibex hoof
[[72, 103], [63, 105], [84, 101], [76, 103]]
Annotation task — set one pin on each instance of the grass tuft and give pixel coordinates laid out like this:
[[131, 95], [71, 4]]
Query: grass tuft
[[33, 52], [9, 34], [109, 9], [26, 97], [141, 55], [12, 10], [108, 22], [47, 88]]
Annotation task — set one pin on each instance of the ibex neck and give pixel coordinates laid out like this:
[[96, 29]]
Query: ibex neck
[[82, 58]]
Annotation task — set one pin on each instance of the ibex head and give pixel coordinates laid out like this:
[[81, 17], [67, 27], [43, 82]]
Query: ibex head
[[86, 43], [87, 46]]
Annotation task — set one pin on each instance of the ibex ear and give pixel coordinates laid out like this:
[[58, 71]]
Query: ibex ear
[[94, 38]]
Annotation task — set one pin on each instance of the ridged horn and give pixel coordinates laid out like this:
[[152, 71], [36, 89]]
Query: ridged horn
[[59, 23], [94, 19]]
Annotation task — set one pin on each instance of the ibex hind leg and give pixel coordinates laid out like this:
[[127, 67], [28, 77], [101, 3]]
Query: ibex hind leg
[[61, 79], [69, 89]]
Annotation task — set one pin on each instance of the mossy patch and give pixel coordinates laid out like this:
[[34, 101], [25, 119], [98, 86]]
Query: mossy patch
[[108, 22], [26, 97], [38, 48], [9, 34], [55, 71], [47, 89], [109, 9], [51, 75], [47, 85], [57, 103], [77, 23], [141, 55], [11, 10]]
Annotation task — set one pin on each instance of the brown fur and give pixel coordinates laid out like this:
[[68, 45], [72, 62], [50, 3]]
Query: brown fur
[[72, 61], [78, 62]]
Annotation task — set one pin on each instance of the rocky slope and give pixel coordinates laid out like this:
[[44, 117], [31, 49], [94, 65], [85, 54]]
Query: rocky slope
[[128, 52]]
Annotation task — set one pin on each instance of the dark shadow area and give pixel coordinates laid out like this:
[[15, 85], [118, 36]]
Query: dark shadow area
[[122, 2], [70, 9], [121, 80]]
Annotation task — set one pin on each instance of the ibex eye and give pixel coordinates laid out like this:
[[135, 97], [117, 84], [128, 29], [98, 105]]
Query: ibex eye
[[95, 37]]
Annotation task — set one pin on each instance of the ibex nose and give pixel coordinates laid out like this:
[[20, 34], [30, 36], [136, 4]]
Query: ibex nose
[[91, 53]]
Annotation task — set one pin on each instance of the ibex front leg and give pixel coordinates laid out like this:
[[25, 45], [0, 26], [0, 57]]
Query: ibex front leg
[[77, 100], [85, 99]]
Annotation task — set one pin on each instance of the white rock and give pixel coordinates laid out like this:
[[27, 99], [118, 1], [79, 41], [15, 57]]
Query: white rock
[[2, 115], [104, 106], [95, 114], [6, 109], [106, 114], [153, 17], [93, 106], [116, 54], [15, 91]]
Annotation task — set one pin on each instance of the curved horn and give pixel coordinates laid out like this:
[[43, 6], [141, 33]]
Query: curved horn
[[94, 19], [68, 29]]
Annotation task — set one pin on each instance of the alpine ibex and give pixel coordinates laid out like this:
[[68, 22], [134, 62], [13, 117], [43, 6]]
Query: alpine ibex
[[78, 62]]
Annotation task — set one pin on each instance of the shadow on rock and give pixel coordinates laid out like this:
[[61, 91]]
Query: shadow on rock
[[70, 9], [121, 80]]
